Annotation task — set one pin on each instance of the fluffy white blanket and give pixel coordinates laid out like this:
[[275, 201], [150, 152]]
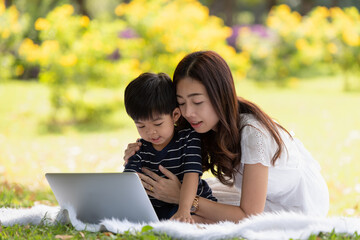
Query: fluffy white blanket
[[280, 225]]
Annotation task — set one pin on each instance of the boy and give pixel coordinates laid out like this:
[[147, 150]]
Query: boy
[[150, 100]]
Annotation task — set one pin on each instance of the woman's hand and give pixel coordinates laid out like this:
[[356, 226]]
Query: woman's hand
[[131, 149], [164, 189]]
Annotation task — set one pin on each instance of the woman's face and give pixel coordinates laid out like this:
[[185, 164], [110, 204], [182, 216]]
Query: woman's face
[[195, 105]]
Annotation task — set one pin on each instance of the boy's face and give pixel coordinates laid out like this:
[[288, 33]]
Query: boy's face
[[159, 130]]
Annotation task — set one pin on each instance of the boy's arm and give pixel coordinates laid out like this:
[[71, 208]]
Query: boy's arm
[[189, 186], [187, 194], [188, 191]]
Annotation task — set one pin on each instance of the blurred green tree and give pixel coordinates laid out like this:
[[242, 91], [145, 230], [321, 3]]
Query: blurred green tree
[[162, 33], [12, 28], [292, 44], [75, 56]]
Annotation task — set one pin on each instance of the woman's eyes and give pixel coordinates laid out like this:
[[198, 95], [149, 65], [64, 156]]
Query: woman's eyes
[[196, 103]]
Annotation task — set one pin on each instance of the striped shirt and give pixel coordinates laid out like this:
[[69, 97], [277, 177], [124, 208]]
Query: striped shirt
[[182, 155]]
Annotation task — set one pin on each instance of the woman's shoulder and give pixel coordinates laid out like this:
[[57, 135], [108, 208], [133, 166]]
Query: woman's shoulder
[[248, 120]]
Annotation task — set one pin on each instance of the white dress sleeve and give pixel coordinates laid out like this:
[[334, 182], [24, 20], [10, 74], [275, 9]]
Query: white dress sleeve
[[255, 146]]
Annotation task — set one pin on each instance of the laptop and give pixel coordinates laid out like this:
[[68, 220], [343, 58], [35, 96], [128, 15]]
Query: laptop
[[95, 196]]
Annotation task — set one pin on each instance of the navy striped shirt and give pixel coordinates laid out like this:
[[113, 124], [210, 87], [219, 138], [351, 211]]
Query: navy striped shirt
[[182, 155]]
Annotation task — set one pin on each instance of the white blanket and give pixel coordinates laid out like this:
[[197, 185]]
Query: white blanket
[[280, 225], [266, 226]]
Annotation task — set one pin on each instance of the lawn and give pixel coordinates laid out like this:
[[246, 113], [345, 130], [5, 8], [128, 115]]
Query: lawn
[[317, 110]]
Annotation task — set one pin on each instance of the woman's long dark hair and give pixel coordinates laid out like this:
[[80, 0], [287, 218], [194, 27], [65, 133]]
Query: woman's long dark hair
[[221, 150]]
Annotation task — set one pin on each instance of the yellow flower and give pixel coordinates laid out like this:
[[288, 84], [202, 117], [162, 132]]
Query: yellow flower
[[67, 9], [14, 14], [25, 46], [42, 24], [300, 44], [323, 12], [19, 70], [197, 12], [296, 17], [271, 21], [49, 49], [350, 37], [284, 8], [5, 34], [332, 48], [2, 7], [29, 50], [140, 7], [50, 45], [243, 57], [282, 20], [336, 12], [120, 9], [84, 21], [68, 60]]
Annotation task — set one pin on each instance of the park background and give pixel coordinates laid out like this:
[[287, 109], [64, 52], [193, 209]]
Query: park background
[[64, 65]]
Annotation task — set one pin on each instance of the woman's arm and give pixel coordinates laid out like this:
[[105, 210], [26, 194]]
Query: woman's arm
[[253, 197], [253, 194], [134, 163], [131, 149]]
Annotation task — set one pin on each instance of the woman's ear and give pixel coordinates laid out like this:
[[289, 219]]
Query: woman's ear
[[176, 114]]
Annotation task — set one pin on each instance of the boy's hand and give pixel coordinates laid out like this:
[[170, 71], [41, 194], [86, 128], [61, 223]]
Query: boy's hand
[[183, 216]]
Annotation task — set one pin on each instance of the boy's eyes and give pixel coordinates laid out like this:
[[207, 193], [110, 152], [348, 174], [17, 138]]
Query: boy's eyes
[[155, 124]]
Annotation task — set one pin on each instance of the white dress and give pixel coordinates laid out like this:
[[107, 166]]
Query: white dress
[[295, 183]]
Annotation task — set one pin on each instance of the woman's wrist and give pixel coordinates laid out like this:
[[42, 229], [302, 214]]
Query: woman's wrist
[[195, 205]]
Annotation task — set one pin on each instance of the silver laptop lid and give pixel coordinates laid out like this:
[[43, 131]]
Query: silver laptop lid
[[95, 196]]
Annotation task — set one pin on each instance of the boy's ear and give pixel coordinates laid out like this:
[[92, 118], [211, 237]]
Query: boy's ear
[[176, 114]]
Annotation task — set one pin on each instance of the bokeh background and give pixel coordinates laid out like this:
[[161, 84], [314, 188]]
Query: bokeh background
[[64, 65]]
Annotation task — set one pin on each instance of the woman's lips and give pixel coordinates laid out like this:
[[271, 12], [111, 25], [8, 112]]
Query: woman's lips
[[196, 124]]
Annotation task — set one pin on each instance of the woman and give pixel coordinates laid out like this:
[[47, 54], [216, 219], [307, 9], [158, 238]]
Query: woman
[[241, 146]]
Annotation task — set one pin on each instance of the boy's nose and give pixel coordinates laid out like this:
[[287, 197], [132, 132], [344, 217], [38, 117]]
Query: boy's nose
[[151, 131]]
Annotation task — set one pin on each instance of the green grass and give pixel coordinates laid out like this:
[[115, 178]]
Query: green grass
[[10, 192], [63, 232], [325, 118]]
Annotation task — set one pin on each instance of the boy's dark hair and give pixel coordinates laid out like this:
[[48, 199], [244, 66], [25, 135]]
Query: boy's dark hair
[[150, 94]]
